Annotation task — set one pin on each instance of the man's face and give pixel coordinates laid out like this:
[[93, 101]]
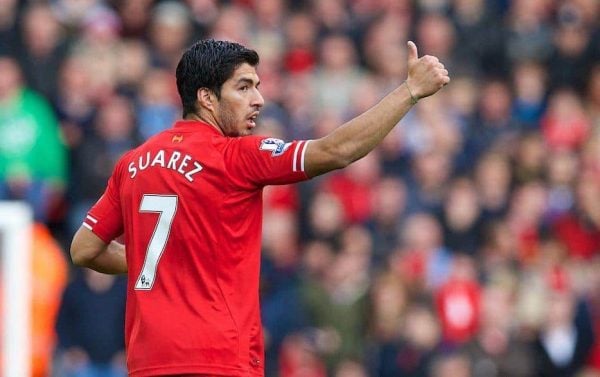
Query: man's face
[[240, 102]]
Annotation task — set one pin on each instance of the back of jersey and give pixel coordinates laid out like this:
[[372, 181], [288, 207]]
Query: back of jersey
[[172, 199], [189, 203]]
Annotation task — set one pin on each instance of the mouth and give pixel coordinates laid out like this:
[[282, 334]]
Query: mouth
[[251, 121]]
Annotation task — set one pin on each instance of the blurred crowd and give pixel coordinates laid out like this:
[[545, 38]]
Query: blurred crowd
[[466, 245]]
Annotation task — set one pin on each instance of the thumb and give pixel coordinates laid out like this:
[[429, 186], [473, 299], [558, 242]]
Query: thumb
[[412, 52]]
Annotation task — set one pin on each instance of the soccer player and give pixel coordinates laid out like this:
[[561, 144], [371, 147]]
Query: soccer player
[[188, 202]]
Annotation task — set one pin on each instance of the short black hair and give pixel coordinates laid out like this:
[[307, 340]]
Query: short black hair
[[208, 64]]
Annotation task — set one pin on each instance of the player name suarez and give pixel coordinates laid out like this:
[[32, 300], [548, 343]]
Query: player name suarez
[[183, 164]]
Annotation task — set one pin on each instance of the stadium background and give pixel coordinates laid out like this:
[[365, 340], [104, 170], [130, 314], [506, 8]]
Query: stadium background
[[467, 244]]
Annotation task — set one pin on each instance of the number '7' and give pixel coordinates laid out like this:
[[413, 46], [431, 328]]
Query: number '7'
[[166, 207]]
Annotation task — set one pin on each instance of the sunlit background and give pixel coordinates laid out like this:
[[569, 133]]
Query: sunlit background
[[466, 245]]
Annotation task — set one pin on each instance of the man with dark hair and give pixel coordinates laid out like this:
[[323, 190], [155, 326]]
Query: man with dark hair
[[189, 203]]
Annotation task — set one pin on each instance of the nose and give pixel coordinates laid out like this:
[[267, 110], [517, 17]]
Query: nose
[[258, 100]]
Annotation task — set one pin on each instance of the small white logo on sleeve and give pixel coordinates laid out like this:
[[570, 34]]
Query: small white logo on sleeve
[[276, 146]]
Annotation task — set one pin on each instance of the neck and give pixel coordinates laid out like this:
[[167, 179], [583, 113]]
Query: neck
[[206, 119]]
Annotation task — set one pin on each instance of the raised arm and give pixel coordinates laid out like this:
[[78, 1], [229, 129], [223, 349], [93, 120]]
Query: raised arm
[[354, 139], [88, 250]]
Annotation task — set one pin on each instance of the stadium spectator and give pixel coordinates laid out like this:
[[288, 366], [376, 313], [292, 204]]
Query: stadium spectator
[[90, 327], [336, 303], [32, 155], [114, 133], [73, 104], [9, 33], [461, 218], [49, 278], [157, 106], [44, 47], [497, 348], [566, 335], [170, 29]]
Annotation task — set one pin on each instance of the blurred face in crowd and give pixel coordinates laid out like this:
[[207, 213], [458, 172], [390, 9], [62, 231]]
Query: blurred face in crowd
[[454, 365], [469, 10], [461, 208], [562, 167], [134, 59], [337, 52], [493, 178], [10, 78], [6, 8], [463, 95], [326, 214], [389, 300], [431, 169], [240, 101], [135, 14], [301, 30], [156, 89], [350, 368], [115, 119], [170, 28], [233, 24], [528, 203], [565, 105], [41, 28], [422, 232], [436, 35], [317, 257], [531, 153], [587, 194], [421, 328], [389, 200], [280, 236], [571, 38], [561, 309], [593, 90], [495, 101], [497, 307], [530, 81]]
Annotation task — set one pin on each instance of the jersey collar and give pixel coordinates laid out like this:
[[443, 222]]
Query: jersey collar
[[195, 125]]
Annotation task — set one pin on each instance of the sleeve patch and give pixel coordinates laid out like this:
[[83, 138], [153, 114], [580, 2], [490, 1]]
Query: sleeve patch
[[276, 146]]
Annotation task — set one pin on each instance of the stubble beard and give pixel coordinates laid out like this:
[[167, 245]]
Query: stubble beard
[[229, 122]]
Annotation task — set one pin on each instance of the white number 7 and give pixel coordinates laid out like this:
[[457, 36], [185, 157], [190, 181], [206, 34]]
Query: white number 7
[[166, 206]]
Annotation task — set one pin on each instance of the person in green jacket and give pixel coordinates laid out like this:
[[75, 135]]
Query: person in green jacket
[[32, 155]]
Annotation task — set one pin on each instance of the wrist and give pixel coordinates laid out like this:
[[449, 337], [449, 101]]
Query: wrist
[[413, 98]]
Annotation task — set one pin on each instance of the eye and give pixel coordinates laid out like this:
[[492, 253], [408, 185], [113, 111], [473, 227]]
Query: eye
[[244, 88]]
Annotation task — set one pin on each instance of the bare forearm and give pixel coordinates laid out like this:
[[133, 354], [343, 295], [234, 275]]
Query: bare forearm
[[356, 138], [109, 261], [362, 134]]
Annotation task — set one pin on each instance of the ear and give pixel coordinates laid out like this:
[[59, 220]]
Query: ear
[[206, 99]]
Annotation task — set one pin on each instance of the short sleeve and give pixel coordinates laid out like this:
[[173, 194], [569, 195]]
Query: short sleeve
[[105, 217], [260, 161]]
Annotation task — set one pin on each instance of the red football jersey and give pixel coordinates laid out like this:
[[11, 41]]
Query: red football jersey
[[189, 203]]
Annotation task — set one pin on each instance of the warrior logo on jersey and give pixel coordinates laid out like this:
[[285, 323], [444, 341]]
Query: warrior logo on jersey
[[275, 146]]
